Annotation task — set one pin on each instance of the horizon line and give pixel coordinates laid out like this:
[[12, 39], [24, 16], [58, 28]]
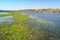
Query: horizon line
[[29, 8]]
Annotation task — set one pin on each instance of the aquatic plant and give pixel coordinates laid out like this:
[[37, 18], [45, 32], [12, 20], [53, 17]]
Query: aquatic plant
[[23, 28]]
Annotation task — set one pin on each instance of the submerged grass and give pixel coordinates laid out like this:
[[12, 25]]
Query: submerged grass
[[22, 28]]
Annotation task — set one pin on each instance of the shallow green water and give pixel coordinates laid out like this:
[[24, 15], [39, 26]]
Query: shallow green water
[[30, 26]]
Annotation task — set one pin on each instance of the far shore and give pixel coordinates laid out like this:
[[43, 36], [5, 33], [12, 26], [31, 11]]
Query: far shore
[[34, 10]]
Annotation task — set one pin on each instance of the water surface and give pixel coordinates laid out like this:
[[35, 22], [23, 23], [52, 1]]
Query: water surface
[[50, 17], [42, 17]]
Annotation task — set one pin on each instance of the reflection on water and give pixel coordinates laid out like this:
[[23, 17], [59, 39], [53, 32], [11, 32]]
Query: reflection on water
[[42, 17], [50, 23], [54, 18], [4, 12], [5, 19]]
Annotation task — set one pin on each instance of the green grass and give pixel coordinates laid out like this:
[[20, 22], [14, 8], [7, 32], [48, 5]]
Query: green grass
[[21, 29]]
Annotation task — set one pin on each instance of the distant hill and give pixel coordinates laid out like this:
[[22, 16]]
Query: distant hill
[[35, 10], [41, 10]]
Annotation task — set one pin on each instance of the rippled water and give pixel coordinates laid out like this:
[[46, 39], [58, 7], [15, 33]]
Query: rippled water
[[49, 17], [4, 12], [42, 17], [6, 18], [52, 19]]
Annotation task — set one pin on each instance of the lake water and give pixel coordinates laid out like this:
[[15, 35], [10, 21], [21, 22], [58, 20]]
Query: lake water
[[49, 17], [52, 18], [4, 12], [42, 17], [6, 18]]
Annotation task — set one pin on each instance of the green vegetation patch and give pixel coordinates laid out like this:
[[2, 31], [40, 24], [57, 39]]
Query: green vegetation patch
[[22, 28]]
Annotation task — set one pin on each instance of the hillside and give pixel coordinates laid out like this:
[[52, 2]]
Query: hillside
[[41, 10], [35, 10]]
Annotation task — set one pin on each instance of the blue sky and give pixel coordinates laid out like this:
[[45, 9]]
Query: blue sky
[[28, 4]]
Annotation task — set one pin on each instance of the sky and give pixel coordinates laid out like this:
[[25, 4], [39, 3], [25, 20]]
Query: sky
[[28, 4]]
